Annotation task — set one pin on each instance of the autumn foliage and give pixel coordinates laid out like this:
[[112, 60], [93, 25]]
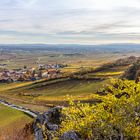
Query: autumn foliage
[[117, 117]]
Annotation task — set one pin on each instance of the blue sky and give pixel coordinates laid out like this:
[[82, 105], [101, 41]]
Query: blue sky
[[70, 21]]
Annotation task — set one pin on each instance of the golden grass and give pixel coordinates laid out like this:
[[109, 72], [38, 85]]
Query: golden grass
[[12, 122]]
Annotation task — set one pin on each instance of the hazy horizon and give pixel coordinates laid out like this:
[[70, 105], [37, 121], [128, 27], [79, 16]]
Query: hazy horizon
[[82, 44]]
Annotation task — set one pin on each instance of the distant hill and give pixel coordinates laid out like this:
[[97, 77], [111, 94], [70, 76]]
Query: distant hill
[[119, 62], [74, 48]]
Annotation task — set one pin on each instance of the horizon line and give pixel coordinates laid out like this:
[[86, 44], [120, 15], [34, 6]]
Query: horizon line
[[69, 44]]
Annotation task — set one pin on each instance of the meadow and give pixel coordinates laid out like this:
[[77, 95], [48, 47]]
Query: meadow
[[13, 122]]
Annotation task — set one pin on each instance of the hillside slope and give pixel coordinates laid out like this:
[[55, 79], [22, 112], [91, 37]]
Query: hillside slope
[[15, 124]]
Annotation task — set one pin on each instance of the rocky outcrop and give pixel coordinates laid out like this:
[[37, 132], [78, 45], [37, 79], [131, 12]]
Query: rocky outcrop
[[50, 120], [38, 132], [46, 124], [71, 135], [133, 72]]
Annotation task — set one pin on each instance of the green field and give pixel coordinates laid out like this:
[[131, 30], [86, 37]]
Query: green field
[[39, 94], [11, 122], [44, 91]]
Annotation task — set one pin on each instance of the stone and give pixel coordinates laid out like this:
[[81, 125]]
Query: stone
[[52, 127], [70, 135], [53, 115]]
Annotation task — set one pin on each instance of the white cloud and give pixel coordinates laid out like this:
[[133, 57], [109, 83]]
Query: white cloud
[[69, 21]]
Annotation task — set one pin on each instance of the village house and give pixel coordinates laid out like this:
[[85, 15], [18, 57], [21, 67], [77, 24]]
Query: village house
[[30, 74]]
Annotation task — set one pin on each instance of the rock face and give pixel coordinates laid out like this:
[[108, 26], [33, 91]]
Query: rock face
[[53, 115], [51, 120], [38, 132], [71, 135]]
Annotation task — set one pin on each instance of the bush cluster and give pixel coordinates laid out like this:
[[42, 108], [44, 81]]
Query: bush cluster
[[117, 117]]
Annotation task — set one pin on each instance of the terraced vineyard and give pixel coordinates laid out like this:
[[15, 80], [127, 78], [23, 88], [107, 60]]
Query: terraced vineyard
[[40, 95]]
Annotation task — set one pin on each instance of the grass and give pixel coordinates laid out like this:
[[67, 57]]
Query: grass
[[36, 94], [105, 74], [52, 92], [12, 121], [62, 87], [8, 116], [5, 87], [109, 73], [71, 87]]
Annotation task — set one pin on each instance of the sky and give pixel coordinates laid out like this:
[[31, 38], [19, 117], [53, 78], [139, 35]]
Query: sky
[[69, 21]]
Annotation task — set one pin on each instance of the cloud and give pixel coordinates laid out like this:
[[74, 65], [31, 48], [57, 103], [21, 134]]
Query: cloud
[[52, 21]]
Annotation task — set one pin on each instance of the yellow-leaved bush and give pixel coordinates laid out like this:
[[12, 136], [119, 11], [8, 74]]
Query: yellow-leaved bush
[[116, 117]]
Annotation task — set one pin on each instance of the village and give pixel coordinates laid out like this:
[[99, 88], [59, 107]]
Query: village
[[48, 71]]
